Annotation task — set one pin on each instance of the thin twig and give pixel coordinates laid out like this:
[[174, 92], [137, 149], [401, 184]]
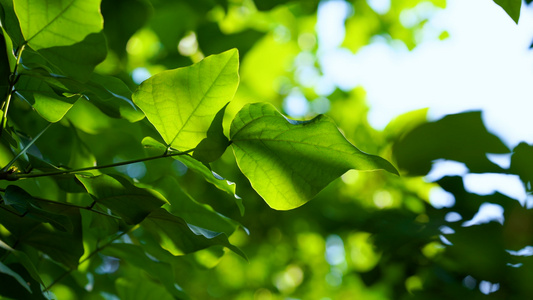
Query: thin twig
[[25, 148], [16, 176]]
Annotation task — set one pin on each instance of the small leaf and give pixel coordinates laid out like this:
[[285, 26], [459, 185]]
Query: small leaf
[[288, 162], [512, 7], [46, 24], [10, 22], [131, 203], [135, 255], [109, 94], [213, 146], [44, 99], [211, 177], [178, 237], [182, 103], [184, 206], [202, 170], [6, 270]]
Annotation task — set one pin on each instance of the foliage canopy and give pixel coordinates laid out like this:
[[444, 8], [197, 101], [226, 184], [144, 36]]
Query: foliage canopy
[[112, 188]]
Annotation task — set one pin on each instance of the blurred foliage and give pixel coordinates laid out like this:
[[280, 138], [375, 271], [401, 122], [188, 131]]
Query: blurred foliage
[[101, 234]]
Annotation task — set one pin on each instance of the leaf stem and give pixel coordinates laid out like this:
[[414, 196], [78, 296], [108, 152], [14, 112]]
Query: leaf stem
[[12, 81], [95, 251], [15, 176]]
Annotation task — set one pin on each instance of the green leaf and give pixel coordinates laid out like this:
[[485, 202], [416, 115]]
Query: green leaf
[[178, 237], [44, 99], [288, 162], [135, 255], [5, 62], [184, 206], [140, 288], [80, 59], [10, 22], [512, 7], [110, 94], [65, 247], [211, 177], [131, 203], [522, 163], [213, 146], [46, 24], [6, 270], [182, 103], [460, 137], [200, 169], [25, 204]]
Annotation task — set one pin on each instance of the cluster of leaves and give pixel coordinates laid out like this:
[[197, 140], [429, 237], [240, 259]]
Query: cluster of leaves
[[112, 189], [67, 205]]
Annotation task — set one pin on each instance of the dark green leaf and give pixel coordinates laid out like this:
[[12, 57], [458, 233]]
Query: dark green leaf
[[109, 94], [512, 7], [78, 60], [460, 137], [10, 22], [214, 145], [134, 254], [211, 177], [141, 288], [178, 237], [131, 203], [522, 162], [65, 247], [44, 99], [288, 162], [24, 203], [6, 270], [200, 169], [184, 206]]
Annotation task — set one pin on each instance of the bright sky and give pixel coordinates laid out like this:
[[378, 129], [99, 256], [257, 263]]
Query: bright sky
[[484, 64]]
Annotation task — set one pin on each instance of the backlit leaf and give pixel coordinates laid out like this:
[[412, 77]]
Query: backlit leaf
[[46, 24], [288, 162], [182, 103]]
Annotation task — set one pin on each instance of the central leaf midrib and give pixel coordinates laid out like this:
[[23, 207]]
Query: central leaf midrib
[[201, 100], [52, 21]]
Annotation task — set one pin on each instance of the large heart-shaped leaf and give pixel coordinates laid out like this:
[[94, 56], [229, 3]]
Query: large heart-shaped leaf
[[182, 103], [46, 23], [288, 162]]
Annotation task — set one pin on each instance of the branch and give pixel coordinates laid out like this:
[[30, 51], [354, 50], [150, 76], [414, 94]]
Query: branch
[[15, 176], [88, 208]]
